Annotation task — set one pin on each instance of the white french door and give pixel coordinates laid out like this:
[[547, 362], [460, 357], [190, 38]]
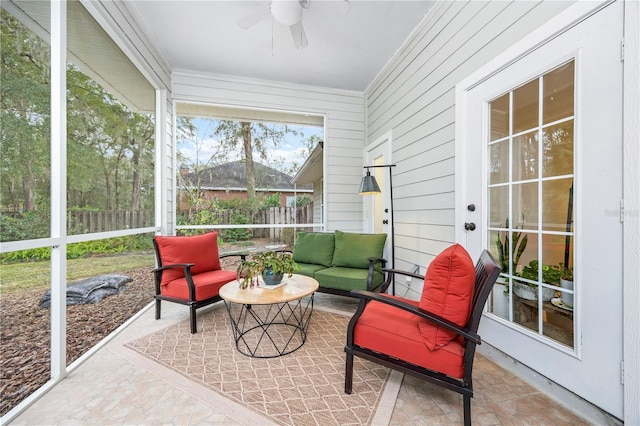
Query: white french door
[[543, 171]]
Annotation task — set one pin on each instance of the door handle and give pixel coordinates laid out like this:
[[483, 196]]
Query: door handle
[[470, 226]]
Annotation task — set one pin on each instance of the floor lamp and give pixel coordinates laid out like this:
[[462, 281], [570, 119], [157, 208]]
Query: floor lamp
[[369, 186]]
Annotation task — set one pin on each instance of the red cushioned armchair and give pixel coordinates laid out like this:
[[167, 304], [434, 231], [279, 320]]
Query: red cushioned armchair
[[434, 338], [189, 271]]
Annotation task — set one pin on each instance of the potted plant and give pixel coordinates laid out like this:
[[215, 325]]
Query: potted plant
[[271, 265], [550, 274], [566, 282], [508, 256]]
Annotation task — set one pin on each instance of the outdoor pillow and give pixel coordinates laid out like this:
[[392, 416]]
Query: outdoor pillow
[[314, 247], [447, 292], [201, 250], [353, 250]]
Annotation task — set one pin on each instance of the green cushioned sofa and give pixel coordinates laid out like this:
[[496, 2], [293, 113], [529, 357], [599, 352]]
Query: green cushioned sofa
[[341, 261]]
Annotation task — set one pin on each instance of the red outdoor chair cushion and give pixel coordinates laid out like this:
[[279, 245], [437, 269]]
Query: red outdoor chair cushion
[[447, 292], [399, 336], [201, 250], [207, 285]]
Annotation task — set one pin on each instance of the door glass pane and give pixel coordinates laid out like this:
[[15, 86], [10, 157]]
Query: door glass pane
[[525, 204], [558, 93], [558, 149], [525, 156], [498, 205], [530, 197], [499, 162], [499, 112], [557, 205], [525, 107]]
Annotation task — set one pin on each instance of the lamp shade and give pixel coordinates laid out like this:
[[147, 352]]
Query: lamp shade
[[369, 185]]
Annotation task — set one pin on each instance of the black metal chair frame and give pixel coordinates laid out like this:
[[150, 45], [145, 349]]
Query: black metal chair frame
[[487, 271], [192, 303]]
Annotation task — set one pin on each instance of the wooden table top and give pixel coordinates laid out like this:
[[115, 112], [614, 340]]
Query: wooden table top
[[294, 288]]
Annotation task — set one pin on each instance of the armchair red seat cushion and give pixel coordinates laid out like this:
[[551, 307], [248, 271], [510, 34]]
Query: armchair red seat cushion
[[207, 285], [399, 336]]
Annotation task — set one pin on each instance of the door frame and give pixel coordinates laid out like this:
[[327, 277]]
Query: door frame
[[570, 17], [382, 144]]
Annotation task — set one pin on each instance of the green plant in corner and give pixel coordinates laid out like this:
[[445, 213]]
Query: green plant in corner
[[551, 274], [505, 257]]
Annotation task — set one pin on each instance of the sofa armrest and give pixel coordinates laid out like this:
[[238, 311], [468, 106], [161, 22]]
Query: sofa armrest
[[372, 265]]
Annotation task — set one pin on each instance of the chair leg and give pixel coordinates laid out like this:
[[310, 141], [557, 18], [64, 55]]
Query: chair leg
[[192, 315], [467, 410], [348, 374], [157, 309]]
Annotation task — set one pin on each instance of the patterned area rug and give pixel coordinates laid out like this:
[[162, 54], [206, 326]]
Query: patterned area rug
[[305, 387]]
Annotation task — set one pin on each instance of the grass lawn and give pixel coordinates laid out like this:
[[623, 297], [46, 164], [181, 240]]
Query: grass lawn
[[37, 275]]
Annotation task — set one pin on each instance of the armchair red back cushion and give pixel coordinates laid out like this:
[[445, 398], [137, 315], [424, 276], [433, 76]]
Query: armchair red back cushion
[[447, 292], [201, 250]]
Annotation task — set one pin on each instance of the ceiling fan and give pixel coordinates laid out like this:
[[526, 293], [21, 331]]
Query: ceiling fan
[[286, 12]]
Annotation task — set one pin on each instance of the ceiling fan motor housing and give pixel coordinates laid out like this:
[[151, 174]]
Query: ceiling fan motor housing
[[288, 12]]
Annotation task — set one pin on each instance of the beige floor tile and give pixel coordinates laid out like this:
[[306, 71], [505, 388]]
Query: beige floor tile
[[111, 389]]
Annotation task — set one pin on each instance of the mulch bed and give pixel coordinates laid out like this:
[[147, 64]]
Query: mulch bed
[[25, 330]]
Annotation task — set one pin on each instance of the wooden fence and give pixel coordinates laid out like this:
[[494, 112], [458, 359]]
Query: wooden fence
[[83, 222], [79, 222]]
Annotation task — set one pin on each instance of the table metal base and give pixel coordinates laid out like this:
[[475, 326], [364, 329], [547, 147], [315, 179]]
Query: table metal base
[[271, 330]]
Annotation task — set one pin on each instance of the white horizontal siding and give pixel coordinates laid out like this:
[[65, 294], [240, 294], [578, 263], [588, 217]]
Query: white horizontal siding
[[414, 96], [344, 129]]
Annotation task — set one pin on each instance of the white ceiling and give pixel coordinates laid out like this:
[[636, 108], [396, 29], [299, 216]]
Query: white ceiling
[[344, 52]]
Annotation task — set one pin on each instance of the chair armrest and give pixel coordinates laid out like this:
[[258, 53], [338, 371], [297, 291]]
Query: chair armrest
[[157, 272], [174, 265], [368, 296], [243, 255], [393, 272]]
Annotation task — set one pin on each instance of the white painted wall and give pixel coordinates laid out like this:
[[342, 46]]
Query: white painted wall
[[415, 97], [344, 129]]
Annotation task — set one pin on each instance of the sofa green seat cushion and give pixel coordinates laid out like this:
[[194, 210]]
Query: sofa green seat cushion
[[314, 248], [353, 250], [347, 279], [308, 269]]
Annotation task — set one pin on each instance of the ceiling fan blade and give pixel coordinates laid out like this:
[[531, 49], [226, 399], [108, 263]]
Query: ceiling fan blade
[[254, 17], [298, 35]]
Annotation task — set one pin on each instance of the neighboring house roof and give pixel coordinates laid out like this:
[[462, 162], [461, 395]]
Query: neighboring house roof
[[233, 176]]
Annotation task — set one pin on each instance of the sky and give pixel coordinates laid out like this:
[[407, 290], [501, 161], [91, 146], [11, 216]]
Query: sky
[[289, 151]]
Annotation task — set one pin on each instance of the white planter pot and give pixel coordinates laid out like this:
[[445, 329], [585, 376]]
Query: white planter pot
[[527, 292], [567, 298], [500, 301]]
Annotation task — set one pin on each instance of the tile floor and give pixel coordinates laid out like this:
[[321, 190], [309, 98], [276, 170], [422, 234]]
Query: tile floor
[[108, 388]]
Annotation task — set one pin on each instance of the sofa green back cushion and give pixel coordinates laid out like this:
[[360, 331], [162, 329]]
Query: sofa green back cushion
[[352, 250], [314, 247]]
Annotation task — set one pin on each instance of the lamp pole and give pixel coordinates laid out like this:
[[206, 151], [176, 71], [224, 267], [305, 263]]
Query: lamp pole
[[373, 188]]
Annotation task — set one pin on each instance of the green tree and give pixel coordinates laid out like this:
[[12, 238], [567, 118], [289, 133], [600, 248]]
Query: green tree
[[249, 139], [25, 106]]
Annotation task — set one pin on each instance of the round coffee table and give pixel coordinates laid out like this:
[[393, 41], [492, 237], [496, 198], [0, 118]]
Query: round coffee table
[[270, 321]]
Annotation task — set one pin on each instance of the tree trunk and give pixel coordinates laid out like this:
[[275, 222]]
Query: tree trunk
[[248, 155]]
